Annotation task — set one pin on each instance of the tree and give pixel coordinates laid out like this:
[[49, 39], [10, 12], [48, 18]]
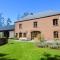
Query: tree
[[31, 13], [8, 21], [26, 14], [18, 17], [1, 20]]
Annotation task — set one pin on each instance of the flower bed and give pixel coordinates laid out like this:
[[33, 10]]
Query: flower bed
[[50, 44]]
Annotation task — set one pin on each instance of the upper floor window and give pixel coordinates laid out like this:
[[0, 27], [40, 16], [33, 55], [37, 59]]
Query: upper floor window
[[20, 26], [55, 34], [35, 24], [55, 22]]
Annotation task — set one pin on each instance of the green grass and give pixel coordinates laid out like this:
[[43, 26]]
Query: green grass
[[25, 51]]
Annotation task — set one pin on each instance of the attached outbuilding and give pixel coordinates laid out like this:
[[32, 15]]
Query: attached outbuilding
[[7, 31]]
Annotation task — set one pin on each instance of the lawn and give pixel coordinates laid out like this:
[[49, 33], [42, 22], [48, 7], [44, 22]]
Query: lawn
[[24, 51]]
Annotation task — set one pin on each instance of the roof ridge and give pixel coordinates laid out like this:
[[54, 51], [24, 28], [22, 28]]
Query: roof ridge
[[40, 14]]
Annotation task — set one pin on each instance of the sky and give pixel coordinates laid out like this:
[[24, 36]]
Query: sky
[[13, 8]]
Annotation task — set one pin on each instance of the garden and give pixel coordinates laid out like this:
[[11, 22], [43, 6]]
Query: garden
[[15, 50]]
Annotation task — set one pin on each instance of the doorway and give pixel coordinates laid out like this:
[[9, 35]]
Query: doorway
[[34, 34], [6, 34]]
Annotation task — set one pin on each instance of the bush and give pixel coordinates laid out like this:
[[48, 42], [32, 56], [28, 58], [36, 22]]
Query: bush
[[51, 44], [3, 41]]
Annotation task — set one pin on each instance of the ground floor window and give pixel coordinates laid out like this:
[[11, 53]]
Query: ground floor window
[[55, 34], [20, 34], [24, 34], [16, 34]]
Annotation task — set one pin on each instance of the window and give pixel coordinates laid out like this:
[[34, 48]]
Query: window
[[24, 34], [16, 34], [55, 22], [55, 34], [20, 26], [20, 34], [35, 24]]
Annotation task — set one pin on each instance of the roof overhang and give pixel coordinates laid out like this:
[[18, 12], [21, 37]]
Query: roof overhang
[[38, 17]]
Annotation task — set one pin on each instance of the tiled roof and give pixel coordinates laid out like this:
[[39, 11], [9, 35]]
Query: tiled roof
[[10, 27], [40, 15]]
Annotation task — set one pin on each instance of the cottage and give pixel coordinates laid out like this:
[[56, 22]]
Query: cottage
[[46, 24]]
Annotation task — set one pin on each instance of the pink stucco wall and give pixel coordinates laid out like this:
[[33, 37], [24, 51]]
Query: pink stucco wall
[[45, 25]]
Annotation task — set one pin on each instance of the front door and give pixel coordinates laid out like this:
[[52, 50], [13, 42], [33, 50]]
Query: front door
[[34, 34]]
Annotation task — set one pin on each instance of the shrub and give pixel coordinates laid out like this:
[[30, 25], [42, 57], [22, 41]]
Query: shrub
[[3, 41], [40, 40]]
